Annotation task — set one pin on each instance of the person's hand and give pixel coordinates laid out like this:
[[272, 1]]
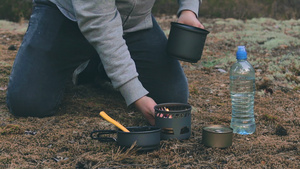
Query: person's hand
[[189, 18], [146, 106]]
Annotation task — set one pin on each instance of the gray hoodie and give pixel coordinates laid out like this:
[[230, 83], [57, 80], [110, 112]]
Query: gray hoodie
[[104, 22]]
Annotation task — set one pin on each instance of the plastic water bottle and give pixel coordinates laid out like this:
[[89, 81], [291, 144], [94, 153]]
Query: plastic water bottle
[[242, 90]]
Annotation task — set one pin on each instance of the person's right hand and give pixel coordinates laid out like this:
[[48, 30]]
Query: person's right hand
[[146, 106], [189, 18]]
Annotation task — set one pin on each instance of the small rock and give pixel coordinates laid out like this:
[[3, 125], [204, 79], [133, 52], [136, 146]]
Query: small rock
[[261, 42], [72, 142], [222, 70], [30, 132], [281, 131], [221, 94], [269, 90], [3, 88], [187, 166], [12, 47], [218, 66], [59, 158]]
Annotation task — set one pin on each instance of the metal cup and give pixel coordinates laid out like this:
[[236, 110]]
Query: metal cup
[[218, 136]]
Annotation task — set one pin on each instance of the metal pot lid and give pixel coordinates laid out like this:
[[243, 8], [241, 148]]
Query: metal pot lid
[[217, 129]]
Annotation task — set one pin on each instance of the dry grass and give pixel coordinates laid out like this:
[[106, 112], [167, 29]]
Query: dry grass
[[63, 140]]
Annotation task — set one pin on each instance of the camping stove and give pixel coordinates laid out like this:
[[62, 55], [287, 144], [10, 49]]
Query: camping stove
[[174, 119]]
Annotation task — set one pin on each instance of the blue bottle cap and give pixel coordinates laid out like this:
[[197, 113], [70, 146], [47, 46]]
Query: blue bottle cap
[[241, 53]]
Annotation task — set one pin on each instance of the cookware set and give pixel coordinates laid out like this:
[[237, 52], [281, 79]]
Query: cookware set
[[147, 138], [172, 120]]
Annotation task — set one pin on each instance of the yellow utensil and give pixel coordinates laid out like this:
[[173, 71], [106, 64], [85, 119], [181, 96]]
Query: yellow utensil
[[112, 121]]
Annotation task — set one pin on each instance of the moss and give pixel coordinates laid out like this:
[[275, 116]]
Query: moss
[[270, 77], [274, 68], [10, 129], [208, 64], [279, 76], [268, 117], [258, 32], [292, 78], [193, 90], [296, 88], [295, 69]]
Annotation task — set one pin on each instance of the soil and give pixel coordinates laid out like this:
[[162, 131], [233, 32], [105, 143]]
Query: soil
[[63, 140]]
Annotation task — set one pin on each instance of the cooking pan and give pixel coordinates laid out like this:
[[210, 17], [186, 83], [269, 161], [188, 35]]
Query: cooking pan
[[146, 138]]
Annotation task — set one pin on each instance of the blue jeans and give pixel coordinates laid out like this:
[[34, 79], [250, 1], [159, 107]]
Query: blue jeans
[[53, 47]]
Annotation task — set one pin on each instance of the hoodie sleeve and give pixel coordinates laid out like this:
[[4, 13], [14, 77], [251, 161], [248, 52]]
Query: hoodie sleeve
[[100, 23], [192, 5]]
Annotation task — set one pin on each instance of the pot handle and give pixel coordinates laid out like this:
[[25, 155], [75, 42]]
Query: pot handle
[[99, 134]]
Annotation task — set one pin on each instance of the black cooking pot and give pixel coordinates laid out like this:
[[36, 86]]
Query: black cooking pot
[[146, 138], [186, 42]]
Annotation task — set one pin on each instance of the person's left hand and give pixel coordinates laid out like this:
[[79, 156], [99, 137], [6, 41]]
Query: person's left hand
[[189, 18]]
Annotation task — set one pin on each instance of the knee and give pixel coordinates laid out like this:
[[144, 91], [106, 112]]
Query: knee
[[28, 104]]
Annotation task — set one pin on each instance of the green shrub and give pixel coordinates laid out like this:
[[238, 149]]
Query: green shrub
[[247, 9], [15, 10]]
